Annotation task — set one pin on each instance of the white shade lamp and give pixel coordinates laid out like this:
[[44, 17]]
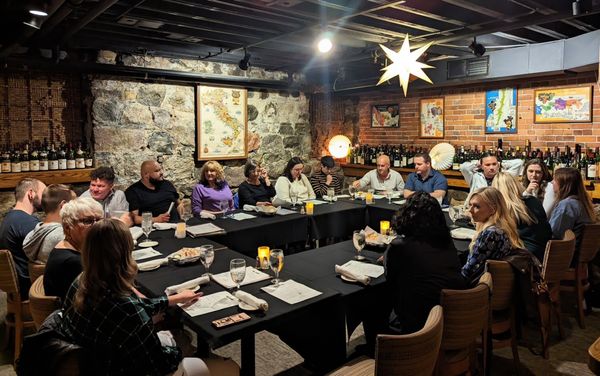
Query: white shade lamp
[[339, 146]]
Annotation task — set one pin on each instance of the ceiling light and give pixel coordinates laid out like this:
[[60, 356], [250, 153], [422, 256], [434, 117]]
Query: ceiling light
[[38, 8], [245, 62], [34, 22], [325, 45], [576, 8], [478, 49]]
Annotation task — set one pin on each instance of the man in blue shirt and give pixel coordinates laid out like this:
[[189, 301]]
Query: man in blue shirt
[[426, 179]]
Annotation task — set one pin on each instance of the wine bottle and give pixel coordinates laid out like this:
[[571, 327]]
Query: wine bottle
[[44, 158], [89, 158], [6, 162], [24, 158], [53, 158], [15, 162], [79, 157], [34, 159], [70, 158], [62, 158]]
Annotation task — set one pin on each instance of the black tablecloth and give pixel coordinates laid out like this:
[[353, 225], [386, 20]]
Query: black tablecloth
[[338, 219]]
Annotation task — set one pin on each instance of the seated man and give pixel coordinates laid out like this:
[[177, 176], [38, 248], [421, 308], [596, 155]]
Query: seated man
[[324, 179], [102, 190], [479, 174], [426, 179], [44, 237], [382, 178], [152, 193], [18, 223]]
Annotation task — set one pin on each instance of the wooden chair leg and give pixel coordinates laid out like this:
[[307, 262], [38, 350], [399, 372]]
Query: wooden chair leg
[[580, 298], [513, 340], [545, 323], [556, 309], [18, 336]]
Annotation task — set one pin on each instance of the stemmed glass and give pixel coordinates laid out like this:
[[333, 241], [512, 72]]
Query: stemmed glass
[[237, 270], [388, 195], [351, 191], [358, 239], [207, 255], [147, 229], [455, 212], [276, 264], [330, 195], [186, 212], [293, 198], [225, 208]]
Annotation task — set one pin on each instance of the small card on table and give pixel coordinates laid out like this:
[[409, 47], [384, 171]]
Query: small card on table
[[363, 268], [253, 275], [145, 253], [210, 303], [291, 291]]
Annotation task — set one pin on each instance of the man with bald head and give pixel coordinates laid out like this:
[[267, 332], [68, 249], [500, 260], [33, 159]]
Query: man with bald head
[[152, 193], [382, 178]]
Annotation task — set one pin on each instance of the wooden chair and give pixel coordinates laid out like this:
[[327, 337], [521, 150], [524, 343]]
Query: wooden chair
[[35, 270], [408, 354], [18, 316], [466, 317], [41, 305], [557, 259], [594, 357], [576, 279], [502, 327]]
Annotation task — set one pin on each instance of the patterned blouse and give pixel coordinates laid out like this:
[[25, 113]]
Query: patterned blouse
[[120, 332], [493, 244]]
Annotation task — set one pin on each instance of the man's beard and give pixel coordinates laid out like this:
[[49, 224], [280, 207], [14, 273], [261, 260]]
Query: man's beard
[[155, 182], [37, 203]]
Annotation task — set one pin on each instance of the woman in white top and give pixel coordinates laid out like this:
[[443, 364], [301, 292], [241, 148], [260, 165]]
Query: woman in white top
[[293, 182], [537, 182]]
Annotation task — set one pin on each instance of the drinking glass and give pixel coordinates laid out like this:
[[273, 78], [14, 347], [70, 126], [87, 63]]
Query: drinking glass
[[147, 224], [225, 208], [454, 212], [207, 255], [293, 198], [186, 212], [330, 194], [276, 264], [358, 239], [351, 190], [388, 195], [237, 270]]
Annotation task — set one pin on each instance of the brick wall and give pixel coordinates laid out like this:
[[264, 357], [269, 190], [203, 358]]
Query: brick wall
[[465, 116]]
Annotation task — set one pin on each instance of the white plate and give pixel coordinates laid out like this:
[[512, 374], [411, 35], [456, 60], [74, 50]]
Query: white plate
[[149, 268], [146, 244], [247, 307], [462, 233], [347, 279]]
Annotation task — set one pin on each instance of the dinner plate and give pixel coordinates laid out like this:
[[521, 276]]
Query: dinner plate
[[247, 307], [146, 244], [348, 279], [148, 268], [463, 233]]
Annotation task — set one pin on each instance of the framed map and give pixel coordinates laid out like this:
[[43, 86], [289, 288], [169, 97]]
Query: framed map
[[432, 118], [501, 111], [563, 105], [222, 123]]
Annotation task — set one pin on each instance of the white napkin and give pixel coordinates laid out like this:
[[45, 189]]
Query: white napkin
[[204, 229], [252, 300], [242, 216], [253, 275], [164, 226], [206, 215], [145, 253], [152, 264], [136, 232], [364, 279], [250, 208], [380, 240], [187, 285]]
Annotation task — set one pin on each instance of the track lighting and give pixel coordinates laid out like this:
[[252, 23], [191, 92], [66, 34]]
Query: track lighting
[[245, 62], [478, 49]]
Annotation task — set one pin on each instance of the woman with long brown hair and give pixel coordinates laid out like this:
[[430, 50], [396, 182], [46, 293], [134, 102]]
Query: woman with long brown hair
[[496, 233], [573, 207], [104, 314], [538, 183]]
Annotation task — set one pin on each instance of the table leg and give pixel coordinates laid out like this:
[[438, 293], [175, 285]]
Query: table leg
[[247, 355]]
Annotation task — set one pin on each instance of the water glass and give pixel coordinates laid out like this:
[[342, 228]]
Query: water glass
[[147, 224], [276, 264], [358, 239], [330, 195], [454, 212], [388, 195], [293, 198], [237, 271], [225, 208], [207, 256], [186, 209], [351, 191]]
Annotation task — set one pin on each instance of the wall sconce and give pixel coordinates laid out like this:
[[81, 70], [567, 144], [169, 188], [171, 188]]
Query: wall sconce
[[339, 146], [34, 22]]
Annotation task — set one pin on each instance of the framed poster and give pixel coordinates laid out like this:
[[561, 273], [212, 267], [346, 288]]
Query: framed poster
[[431, 113], [563, 105], [501, 111], [385, 115], [222, 123]]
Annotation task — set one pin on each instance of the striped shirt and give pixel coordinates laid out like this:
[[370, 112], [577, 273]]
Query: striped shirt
[[318, 180]]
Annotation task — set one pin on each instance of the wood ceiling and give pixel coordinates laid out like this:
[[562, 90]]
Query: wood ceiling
[[281, 34]]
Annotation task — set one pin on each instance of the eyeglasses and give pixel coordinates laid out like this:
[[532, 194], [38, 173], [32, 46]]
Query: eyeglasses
[[88, 221]]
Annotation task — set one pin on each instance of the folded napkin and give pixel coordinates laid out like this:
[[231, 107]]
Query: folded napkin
[[204, 229], [165, 226], [250, 208], [379, 240], [136, 232], [365, 280], [252, 300], [206, 215], [187, 285], [152, 264]]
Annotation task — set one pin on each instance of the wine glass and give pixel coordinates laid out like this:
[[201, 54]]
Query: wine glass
[[351, 191], [186, 212], [207, 255], [276, 264], [147, 225], [358, 239], [237, 270], [330, 195], [388, 195], [293, 198], [225, 208], [454, 212]]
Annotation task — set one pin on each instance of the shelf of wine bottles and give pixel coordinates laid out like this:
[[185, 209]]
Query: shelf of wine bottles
[[37, 156]]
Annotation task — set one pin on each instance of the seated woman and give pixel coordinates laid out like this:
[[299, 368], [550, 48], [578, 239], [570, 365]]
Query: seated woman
[[211, 191], [293, 182], [64, 262], [528, 212], [104, 314], [257, 189], [573, 207], [495, 232], [538, 183], [421, 263]]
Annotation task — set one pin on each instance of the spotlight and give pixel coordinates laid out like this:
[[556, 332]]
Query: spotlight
[[33, 22], [38, 8], [478, 49], [576, 7], [245, 62], [324, 45]]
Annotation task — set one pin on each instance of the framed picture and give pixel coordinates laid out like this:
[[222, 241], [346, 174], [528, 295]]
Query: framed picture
[[222, 123], [431, 112], [385, 115], [501, 111], [563, 105]]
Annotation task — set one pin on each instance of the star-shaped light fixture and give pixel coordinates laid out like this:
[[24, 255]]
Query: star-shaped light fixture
[[404, 63]]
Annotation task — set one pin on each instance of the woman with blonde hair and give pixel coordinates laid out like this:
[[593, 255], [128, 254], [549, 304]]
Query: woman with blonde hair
[[104, 313], [211, 191], [573, 207], [528, 212], [495, 231]]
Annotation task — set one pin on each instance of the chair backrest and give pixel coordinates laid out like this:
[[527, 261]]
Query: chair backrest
[[590, 242], [40, 305], [466, 313], [35, 270], [557, 258], [411, 354], [8, 276], [504, 284]]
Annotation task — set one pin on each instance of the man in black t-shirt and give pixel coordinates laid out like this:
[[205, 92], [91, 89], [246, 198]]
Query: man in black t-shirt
[[152, 193], [18, 223]]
